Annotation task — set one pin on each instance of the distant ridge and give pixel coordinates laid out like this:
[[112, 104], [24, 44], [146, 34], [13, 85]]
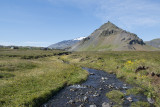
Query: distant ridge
[[66, 44], [155, 43], [109, 37]]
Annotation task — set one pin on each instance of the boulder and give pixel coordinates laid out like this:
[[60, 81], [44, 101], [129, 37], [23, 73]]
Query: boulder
[[106, 104], [129, 99], [150, 100], [92, 106], [85, 98], [152, 74]]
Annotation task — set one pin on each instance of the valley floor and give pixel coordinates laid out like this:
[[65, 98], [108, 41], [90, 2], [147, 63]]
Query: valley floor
[[32, 77]]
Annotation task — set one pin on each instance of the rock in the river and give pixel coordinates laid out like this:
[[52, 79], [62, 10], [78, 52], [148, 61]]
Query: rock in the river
[[95, 95], [125, 88], [100, 88], [104, 78], [125, 85], [106, 104], [92, 74], [70, 102], [110, 86], [92, 106], [129, 99], [150, 100], [82, 105], [85, 98], [73, 89], [81, 93], [117, 88]]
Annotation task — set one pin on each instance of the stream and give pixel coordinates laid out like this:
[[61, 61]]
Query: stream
[[92, 93]]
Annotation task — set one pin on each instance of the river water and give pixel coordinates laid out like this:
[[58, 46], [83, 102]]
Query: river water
[[92, 92]]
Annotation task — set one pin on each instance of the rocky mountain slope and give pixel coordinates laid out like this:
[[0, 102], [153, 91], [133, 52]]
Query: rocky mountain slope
[[65, 44], [155, 43], [110, 37]]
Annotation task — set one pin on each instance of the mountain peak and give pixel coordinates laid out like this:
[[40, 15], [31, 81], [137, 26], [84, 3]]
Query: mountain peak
[[110, 37], [109, 25]]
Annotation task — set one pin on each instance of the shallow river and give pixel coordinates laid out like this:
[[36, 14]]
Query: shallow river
[[92, 92]]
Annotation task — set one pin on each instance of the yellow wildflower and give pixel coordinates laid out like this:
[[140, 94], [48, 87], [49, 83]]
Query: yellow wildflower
[[129, 62]]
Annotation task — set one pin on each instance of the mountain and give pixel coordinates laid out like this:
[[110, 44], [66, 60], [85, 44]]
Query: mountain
[[155, 43], [65, 44], [110, 37]]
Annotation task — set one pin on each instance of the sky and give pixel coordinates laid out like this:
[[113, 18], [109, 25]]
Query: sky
[[45, 22]]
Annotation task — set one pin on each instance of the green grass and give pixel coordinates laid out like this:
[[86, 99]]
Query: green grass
[[31, 82], [6, 75], [140, 104], [135, 91], [12, 66], [115, 96]]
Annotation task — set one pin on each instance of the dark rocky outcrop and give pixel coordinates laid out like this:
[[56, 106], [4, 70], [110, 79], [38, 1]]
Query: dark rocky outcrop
[[140, 68]]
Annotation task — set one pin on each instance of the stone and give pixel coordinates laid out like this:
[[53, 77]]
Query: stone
[[106, 104], [85, 98], [92, 106], [106, 78], [129, 99], [71, 102], [150, 100], [82, 105], [117, 88], [152, 74], [100, 88], [111, 103], [110, 86], [158, 75], [72, 89], [125, 88], [81, 93], [92, 74], [102, 78], [95, 95], [124, 84]]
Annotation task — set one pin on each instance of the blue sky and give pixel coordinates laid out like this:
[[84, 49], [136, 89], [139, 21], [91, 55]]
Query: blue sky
[[44, 22]]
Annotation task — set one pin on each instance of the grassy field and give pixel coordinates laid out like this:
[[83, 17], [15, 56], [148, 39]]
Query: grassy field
[[140, 69], [31, 77]]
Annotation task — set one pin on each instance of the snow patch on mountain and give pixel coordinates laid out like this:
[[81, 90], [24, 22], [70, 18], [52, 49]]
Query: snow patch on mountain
[[80, 38]]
